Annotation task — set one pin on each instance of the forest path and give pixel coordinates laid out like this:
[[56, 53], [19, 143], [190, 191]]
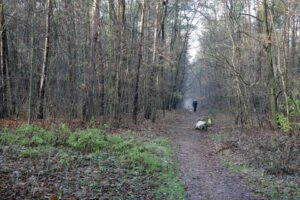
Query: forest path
[[201, 172]]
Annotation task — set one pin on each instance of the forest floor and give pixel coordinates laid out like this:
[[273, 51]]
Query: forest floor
[[202, 174], [164, 160], [231, 162]]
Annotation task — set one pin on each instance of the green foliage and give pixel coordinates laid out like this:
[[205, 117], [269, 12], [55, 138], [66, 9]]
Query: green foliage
[[34, 151], [89, 140], [105, 126], [29, 129], [5, 130], [178, 95], [119, 145], [7, 138], [66, 159], [37, 141], [29, 152], [148, 161], [283, 123], [294, 107], [57, 136], [32, 135], [294, 104], [138, 156]]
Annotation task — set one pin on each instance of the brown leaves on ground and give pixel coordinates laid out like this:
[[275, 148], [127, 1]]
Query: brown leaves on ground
[[49, 177]]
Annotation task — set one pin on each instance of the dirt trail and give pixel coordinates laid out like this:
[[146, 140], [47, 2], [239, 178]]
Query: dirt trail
[[203, 176]]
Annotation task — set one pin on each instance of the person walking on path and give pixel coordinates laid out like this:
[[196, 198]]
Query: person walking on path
[[195, 104]]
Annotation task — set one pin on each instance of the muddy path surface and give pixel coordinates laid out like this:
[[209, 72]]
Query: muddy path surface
[[201, 171]]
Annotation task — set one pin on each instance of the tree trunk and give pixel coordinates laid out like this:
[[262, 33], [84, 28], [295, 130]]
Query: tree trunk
[[92, 62], [7, 102], [161, 59], [140, 58], [101, 69], [72, 56], [31, 63], [151, 107], [249, 17], [45, 63], [288, 36], [117, 62], [123, 58], [111, 58], [174, 45], [282, 75], [271, 78], [154, 62], [258, 25], [293, 38]]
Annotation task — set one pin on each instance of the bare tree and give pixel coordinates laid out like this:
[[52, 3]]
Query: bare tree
[[45, 62]]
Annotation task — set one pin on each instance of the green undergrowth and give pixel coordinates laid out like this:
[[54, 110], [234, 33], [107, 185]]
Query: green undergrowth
[[269, 163], [124, 166]]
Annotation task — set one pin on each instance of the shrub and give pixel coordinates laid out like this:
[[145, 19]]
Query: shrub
[[37, 141], [58, 136], [89, 140], [29, 130], [6, 138], [139, 157]]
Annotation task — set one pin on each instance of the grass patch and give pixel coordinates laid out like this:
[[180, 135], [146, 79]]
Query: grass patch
[[270, 163], [87, 164]]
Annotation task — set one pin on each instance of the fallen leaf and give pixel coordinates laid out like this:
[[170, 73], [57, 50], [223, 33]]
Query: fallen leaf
[[54, 197]]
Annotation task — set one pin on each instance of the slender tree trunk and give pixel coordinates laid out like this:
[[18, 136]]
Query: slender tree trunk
[[258, 23], [3, 86], [45, 63], [288, 35], [8, 104], [140, 58], [117, 62], [293, 37], [174, 45], [151, 107], [101, 69], [123, 58], [31, 63], [154, 62], [111, 57], [163, 41], [86, 59], [271, 77], [72, 56], [92, 62], [249, 17], [282, 76]]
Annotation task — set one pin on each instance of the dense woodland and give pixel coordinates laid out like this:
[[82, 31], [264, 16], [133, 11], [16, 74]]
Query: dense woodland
[[82, 81], [127, 59], [89, 59], [249, 61]]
